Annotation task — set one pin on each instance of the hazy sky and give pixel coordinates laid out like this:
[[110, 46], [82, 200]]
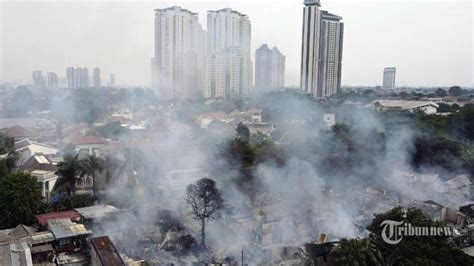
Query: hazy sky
[[430, 42]]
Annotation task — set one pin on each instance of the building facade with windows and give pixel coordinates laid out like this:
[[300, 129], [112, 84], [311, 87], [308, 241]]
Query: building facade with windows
[[389, 75], [229, 66], [321, 53], [269, 69], [178, 65]]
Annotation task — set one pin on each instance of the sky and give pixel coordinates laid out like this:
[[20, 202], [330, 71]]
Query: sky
[[430, 42]]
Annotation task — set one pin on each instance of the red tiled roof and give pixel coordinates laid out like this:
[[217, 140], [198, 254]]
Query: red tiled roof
[[43, 218], [73, 129], [112, 146], [19, 132], [83, 140], [106, 251]]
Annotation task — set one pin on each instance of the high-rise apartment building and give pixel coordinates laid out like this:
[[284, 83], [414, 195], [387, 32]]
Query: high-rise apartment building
[[321, 55], [78, 77], [269, 69], [96, 77], [229, 67], [70, 75], [85, 77], [389, 75], [52, 80], [38, 79], [178, 67]]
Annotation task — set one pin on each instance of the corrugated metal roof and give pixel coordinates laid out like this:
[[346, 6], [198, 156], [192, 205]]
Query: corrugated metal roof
[[106, 251], [63, 228], [97, 211], [42, 237], [43, 218]]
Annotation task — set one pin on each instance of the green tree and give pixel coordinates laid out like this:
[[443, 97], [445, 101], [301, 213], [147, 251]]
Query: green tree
[[455, 91], [20, 200], [91, 166], [416, 250], [112, 167], [357, 252], [3, 168], [206, 202], [441, 93], [76, 201], [243, 132], [69, 170], [11, 160], [7, 144], [463, 121], [444, 108]]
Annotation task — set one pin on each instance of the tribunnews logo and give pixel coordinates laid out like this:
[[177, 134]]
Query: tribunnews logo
[[394, 231]]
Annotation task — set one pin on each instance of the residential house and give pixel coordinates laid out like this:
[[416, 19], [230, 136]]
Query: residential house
[[42, 247], [46, 182], [26, 244], [439, 212], [92, 216], [38, 162], [69, 236], [44, 170], [264, 128], [111, 148], [84, 185], [18, 133], [44, 218], [14, 252], [27, 148], [87, 145]]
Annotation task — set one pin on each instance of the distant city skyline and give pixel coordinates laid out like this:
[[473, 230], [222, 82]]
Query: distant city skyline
[[378, 34]]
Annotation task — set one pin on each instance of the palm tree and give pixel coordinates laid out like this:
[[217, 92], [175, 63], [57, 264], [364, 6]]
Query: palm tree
[[69, 169], [114, 168], [111, 165], [92, 165]]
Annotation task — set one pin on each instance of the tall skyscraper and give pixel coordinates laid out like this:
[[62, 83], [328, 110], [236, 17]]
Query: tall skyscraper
[[96, 77], [269, 69], [52, 79], [389, 75], [321, 53], [178, 66], [112, 80], [38, 79], [70, 75], [85, 77], [330, 54], [229, 67], [78, 82]]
